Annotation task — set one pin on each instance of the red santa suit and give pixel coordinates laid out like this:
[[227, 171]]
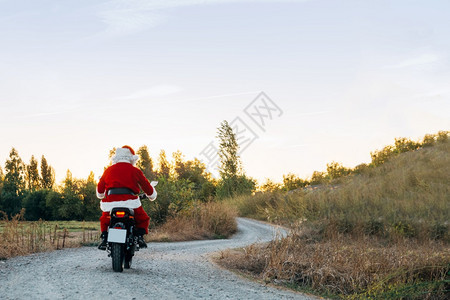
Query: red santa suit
[[123, 174]]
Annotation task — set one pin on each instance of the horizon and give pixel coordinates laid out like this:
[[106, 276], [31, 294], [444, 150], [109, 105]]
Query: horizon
[[342, 79], [170, 159]]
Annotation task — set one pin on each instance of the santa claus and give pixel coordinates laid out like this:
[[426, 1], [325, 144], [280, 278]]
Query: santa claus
[[119, 186]]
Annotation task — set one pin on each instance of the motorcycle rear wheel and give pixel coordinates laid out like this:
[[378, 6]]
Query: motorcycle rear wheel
[[117, 255]]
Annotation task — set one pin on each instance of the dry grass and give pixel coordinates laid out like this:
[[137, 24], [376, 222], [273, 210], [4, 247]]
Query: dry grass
[[351, 268], [19, 237], [203, 221]]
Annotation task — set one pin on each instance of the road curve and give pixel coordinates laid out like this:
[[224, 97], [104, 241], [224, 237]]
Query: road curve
[[163, 271]]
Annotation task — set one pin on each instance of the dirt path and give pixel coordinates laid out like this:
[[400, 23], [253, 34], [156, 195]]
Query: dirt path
[[163, 271]]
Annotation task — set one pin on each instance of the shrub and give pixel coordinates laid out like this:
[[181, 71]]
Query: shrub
[[361, 168], [442, 136], [235, 186], [336, 170], [173, 197], [379, 157], [293, 182], [404, 229], [428, 140], [317, 178], [270, 186], [374, 227], [201, 221], [405, 145]]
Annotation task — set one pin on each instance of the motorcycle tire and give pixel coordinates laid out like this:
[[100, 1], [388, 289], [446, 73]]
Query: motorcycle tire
[[117, 254]]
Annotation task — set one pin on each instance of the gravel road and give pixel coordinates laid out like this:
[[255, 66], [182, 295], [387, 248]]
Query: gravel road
[[163, 271]]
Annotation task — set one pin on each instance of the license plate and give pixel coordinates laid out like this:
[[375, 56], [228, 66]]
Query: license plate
[[117, 235]]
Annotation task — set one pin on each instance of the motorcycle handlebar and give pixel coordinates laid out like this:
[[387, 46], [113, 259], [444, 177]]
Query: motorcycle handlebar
[[143, 195]]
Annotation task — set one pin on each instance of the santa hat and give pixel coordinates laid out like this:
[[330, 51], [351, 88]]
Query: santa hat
[[125, 154]]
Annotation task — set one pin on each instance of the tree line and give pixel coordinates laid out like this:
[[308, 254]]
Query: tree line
[[182, 184], [32, 187]]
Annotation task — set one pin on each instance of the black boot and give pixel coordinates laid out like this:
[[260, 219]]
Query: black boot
[[140, 238], [104, 242], [141, 242]]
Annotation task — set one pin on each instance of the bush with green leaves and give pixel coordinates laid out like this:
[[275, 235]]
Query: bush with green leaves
[[293, 182], [235, 186], [174, 195]]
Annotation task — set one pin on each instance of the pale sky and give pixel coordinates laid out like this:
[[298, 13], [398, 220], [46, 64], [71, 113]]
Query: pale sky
[[78, 78]]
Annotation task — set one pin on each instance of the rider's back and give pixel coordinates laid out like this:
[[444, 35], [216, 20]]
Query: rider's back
[[123, 175]]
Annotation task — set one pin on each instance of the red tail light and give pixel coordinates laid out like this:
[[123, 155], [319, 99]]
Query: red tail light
[[120, 214]]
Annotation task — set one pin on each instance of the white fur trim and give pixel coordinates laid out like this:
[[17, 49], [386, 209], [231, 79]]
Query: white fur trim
[[152, 197], [124, 155], [131, 203], [100, 196]]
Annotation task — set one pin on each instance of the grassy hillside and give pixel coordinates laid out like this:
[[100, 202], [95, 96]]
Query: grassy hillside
[[408, 195], [383, 233]]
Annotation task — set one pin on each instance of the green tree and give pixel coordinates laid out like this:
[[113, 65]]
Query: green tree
[[71, 204], [53, 202], [110, 156], [234, 186], [164, 165], [47, 174], [230, 165], [65, 204], [33, 180], [174, 195], [13, 184], [194, 171], [145, 163], [35, 205], [233, 180], [207, 191], [90, 203], [179, 164]]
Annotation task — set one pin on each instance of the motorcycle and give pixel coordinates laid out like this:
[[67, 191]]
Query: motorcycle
[[122, 236]]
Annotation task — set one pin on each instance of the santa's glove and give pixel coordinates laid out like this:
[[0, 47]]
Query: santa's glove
[[152, 197]]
